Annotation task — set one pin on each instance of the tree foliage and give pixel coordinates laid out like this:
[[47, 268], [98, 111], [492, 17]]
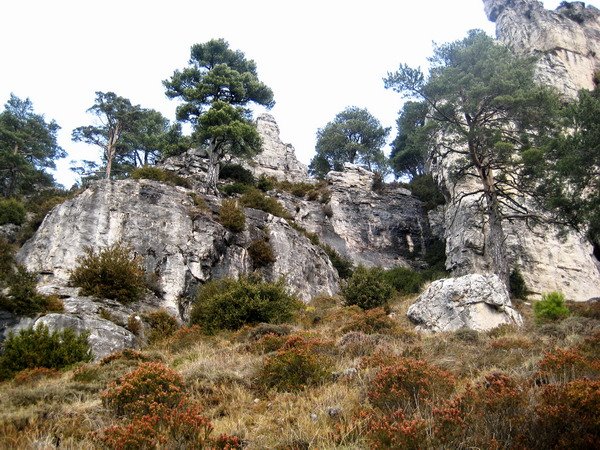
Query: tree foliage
[[354, 136], [409, 149], [130, 136], [28, 146], [215, 88], [486, 110]]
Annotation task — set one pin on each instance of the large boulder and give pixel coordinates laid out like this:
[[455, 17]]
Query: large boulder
[[475, 301]]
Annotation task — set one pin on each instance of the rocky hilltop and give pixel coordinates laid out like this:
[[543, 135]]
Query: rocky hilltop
[[566, 41]]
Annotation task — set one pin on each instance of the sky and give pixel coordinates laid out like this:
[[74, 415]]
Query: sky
[[318, 56]]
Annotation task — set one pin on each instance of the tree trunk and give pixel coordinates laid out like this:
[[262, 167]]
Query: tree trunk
[[111, 147], [212, 175]]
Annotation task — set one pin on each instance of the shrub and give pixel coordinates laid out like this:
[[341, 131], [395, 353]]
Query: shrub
[[236, 172], [568, 416], [367, 288], [38, 347], [564, 365], [230, 304], [295, 366], [158, 174], [516, 285], [342, 265], [550, 308], [404, 280], [396, 431], [35, 375], [425, 189], [409, 384], [371, 322], [254, 198], [110, 273], [234, 188], [261, 253], [162, 325], [435, 255], [21, 296], [12, 211], [265, 183], [183, 338], [136, 393], [232, 216]]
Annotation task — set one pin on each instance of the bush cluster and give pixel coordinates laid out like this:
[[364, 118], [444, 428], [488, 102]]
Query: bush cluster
[[228, 304], [110, 273], [295, 366], [516, 285], [19, 295], [12, 211], [254, 198], [38, 347], [237, 173], [550, 308], [162, 325], [367, 288], [425, 189], [158, 174], [404, 280], [231, 216], [261, 253]]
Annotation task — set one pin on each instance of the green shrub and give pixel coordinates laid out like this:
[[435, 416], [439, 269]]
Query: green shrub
[[265, 183], [343, 265], [19, 295], [230, 304], [404, 280], [110, 273], [254, 198], [38, 347], [11, 211], [367, 288], [261, 253], [550, 308], [162, 325], [435, 254], [425, 189], [516, 285], [295, 366], [235, 188], [157, 174], [231, 216], [140, 392], [236, 172]]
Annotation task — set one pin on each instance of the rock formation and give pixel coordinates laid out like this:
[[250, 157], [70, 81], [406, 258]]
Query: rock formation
[[478, 302], [566, 41], [384, 228]]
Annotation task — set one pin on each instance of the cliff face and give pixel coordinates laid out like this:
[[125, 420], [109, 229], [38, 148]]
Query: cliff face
[[566, 41]]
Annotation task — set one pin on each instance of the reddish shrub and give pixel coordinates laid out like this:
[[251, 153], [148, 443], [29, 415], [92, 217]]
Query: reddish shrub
[[139, 434], [371, 321], [568, 416], [395, 430], [139, 392], [32, 376], [409, 384], [126, 354], [184, 337], [564, 365]]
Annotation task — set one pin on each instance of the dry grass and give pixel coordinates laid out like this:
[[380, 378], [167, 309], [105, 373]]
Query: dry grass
[[221, 374]]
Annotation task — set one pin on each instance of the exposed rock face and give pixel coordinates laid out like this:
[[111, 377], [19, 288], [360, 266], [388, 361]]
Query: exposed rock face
[[178, 243], [567, 40], [276, 159], [386, 228], [478, 302]]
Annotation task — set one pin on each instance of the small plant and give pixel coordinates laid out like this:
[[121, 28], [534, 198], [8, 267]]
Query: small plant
[[183, 338], [158, 174], [367, 288], [295, 366], [38, 347], [409, 384], [516, 285], [565, 365], [137, 393], [425, 189], [265, 183], [230, 304], [236, 172], [254, 198], [110, 273], [342, 265], [232, 216], [261, 253], [12, 211], [35, 375], [396, 430], [550, 308], [370, 322], [21, 297], [162, 325], [235, 188]]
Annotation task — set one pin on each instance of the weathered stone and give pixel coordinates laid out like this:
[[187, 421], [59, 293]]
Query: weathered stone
[[477, 302], [387, 228], [566, 41], [180, 245]]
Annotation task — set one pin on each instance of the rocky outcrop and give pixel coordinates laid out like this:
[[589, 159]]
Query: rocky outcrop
[[566, 41], [386, 227], [477, 302], [180, 244], [276, 159]]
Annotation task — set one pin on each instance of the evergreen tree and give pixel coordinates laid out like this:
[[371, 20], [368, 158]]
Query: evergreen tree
[[409, 149]]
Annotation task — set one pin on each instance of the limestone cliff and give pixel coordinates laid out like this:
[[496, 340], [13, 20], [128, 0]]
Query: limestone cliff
[[566, 41]]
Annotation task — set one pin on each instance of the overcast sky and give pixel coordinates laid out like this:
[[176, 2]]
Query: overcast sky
[[318, 56]]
